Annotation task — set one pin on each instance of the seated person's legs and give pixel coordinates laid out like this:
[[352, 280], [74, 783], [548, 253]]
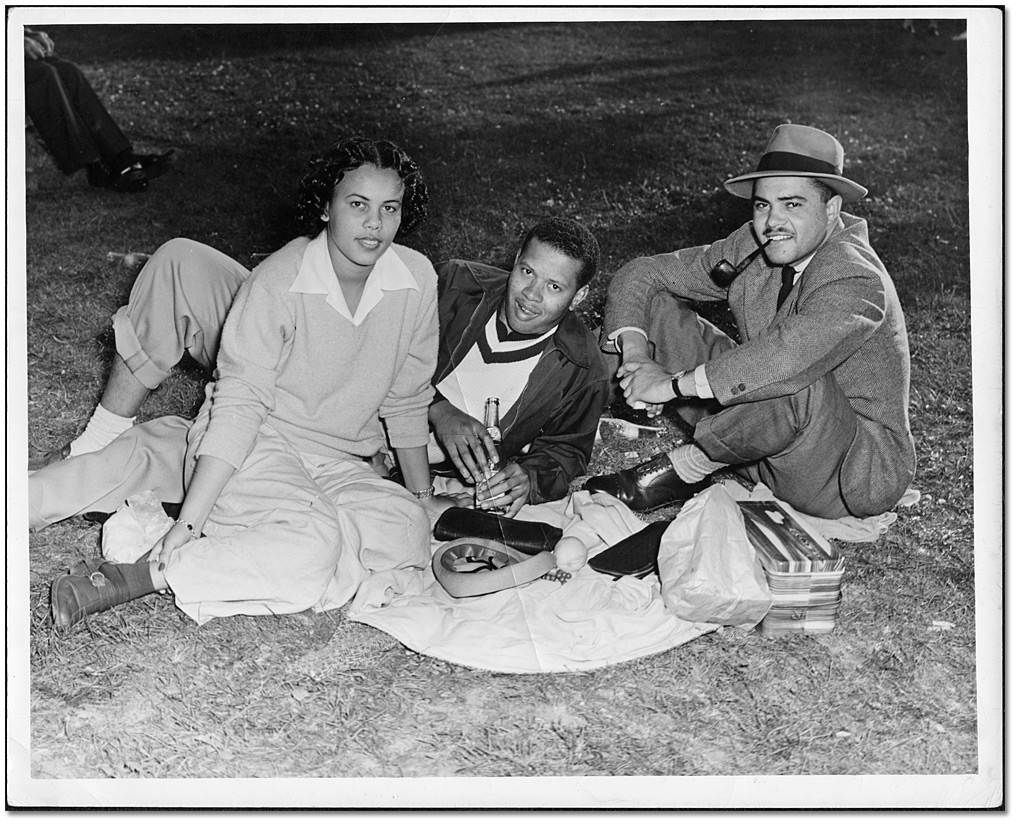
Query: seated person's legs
[[78, 130], [287, 533], [269, 546], [382, 528], [797, 445], [149, 456], [178, 304], [111, 142], [61, 128]]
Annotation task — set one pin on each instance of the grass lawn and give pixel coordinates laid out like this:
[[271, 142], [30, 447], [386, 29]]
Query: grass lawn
[[631, 128]]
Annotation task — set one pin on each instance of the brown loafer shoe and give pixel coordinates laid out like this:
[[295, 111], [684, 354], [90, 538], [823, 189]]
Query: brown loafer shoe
[[647, 486], [84, 591], [38, 459]]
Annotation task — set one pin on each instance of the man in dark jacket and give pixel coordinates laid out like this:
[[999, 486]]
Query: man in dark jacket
[[813, 400], [515, 336]]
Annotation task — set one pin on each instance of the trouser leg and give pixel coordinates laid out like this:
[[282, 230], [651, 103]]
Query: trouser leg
[[382, 528], [178, 304], [794, 444], [271, 543], [71, 120], [148, 456]]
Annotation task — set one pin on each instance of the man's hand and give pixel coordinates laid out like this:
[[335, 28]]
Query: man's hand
[[508, 487], [464, 438], [34, 49], [645, 384], [37, 44], [635, 350]]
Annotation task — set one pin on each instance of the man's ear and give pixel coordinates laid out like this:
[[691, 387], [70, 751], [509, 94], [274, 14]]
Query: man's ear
[[579, 296], [833, 207]]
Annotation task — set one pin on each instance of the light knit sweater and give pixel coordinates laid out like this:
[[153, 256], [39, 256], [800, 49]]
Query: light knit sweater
[[290, 359]]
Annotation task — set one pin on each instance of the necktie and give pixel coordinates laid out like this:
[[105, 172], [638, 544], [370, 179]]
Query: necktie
[[787, 274]]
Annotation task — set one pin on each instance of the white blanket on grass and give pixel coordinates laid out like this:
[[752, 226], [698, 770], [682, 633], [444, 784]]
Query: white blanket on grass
[[588, 622]]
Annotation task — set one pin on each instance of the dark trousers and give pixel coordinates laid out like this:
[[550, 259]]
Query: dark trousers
[[795, 444], [71, 120]]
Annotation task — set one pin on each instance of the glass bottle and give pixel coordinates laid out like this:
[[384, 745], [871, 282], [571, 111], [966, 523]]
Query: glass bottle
[[128, 260], [491, 421]]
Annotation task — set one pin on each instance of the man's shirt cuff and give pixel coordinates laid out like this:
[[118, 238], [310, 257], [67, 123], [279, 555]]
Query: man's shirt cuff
[[701, 385], [612, 337]]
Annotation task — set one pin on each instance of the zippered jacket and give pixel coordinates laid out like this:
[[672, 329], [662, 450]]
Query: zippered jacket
[[550, 430]]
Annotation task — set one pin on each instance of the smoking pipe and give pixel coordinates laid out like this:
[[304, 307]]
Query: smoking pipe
[[724, 272]]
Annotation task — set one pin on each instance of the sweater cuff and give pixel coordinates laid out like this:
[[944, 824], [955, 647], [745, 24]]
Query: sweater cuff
[[408, 431]]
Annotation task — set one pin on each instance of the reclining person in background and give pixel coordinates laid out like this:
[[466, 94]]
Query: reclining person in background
[[537, 357], [75, 126], [813, 400], [333, 335]]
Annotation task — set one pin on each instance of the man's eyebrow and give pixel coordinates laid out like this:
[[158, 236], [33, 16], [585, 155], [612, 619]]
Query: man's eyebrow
[[781, 198]]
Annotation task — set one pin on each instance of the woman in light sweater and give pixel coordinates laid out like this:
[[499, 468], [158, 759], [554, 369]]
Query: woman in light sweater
[[332, 338]]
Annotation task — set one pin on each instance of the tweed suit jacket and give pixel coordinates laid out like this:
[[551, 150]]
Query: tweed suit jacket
[[842, 317]]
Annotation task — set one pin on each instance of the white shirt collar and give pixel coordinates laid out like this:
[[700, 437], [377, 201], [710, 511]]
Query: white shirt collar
[[803, 265], [317, 277]]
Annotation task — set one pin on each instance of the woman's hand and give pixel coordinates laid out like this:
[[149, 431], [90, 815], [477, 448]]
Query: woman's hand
[[435, 505], [165, 549], [508, 487]]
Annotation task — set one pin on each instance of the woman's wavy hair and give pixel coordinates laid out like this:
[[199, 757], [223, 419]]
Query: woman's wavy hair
[[327, 170]]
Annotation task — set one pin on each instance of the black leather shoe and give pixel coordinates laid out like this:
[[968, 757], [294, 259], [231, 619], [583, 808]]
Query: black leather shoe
[[144, 167], [100, 177], [648, 486]]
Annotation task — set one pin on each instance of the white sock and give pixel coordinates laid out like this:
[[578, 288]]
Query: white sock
[[692, 464], [102, 429]]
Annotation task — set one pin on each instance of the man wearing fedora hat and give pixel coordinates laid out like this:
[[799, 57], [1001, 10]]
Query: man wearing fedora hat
[[812, 400]]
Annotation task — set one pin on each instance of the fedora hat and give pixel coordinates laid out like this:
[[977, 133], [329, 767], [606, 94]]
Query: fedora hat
[[800, 152]]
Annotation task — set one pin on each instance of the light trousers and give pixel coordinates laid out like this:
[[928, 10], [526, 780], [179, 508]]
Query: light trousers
[[177, 305], [289, 531]]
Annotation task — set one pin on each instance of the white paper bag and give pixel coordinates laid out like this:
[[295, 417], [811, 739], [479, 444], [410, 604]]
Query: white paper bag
[[135, 528], [708, 569]]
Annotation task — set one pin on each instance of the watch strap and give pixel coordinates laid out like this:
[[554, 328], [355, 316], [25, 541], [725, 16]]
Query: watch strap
[[676, 382]]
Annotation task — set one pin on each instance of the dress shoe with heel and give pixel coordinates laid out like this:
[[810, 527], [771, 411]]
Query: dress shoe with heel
[[645, 487]]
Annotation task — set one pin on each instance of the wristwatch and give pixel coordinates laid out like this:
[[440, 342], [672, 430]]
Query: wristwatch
[[676, 382]]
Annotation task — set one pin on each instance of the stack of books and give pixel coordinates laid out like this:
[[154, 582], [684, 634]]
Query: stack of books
[[802, 572]]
